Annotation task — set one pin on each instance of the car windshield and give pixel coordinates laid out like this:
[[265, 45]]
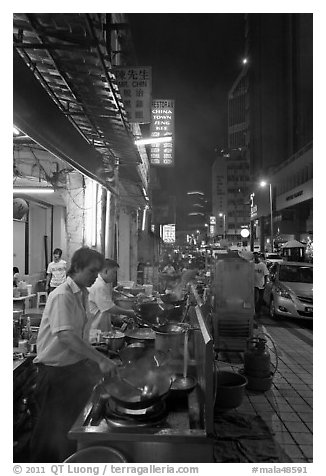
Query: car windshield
[[296, 274], [274, 256]]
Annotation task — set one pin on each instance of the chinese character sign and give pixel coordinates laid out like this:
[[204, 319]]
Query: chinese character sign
[[162, 124], [169, 233], [135, 86]]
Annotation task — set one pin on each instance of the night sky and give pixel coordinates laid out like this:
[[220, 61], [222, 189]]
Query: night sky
[[195, 59]]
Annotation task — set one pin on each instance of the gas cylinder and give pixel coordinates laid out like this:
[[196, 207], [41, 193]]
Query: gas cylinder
[[257, 361]]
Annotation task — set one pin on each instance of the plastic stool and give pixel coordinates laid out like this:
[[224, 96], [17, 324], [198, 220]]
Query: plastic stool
[[41, 294]]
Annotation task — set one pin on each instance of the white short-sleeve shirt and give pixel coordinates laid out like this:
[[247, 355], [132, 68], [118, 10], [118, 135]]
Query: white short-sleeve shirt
[[260, 272], [100, 299], [58, 272], [66, 308]]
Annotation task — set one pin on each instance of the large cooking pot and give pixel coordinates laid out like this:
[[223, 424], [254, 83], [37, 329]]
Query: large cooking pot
[[126, 388], [170, 338]]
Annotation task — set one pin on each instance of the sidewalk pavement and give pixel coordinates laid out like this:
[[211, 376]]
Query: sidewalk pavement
[[287, 406]]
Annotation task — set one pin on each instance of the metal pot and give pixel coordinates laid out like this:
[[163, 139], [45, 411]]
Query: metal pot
[[114, 340], [169, 338]]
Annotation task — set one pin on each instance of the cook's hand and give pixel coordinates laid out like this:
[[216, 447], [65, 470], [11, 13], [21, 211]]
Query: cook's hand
[[108, 367]]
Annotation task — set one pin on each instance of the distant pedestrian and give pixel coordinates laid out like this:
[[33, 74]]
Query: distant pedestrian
[[56, 272], [15, 276], [260, 280], [169, 269]]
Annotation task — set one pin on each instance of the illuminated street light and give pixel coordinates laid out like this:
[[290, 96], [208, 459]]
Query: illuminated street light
[[223, 215], [15, 131], [263, 183], [245, 61]]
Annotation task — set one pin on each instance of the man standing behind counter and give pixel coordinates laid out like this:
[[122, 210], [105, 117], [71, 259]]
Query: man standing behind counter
[[67, 369], [100, 298]]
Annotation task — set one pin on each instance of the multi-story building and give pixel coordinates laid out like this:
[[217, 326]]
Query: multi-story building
[[279, 137], [270, 120], [230, 204]]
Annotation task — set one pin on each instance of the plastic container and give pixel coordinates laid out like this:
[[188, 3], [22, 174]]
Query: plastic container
[[230, 389], [148, 289], [29, 289], [97, 454]]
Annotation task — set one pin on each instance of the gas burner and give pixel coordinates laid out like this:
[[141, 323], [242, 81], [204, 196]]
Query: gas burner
[[119, 416]]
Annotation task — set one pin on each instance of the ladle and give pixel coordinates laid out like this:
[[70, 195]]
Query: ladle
[[184, 383], [146, 391]]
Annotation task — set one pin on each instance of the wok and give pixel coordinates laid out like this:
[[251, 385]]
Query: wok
[[172, 299], [141, 334], [139, 352], [126, 394], [155, 314]]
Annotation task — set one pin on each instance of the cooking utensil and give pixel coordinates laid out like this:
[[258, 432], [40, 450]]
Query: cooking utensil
[[140, 334], [169, 338], [139, 352], [129, 397], [146, 390], [114, 340], [184, 383]]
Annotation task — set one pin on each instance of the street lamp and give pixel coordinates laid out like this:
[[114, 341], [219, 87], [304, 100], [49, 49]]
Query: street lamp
[[263, 183], [223, 215]]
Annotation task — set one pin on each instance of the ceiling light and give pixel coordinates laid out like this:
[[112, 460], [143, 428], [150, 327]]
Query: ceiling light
[[153, 140], [33, 190]]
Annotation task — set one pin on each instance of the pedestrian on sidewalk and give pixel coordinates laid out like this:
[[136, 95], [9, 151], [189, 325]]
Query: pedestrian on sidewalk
[[260, 280]]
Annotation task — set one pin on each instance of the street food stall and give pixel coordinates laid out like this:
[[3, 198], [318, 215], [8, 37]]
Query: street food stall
[[175, 426]]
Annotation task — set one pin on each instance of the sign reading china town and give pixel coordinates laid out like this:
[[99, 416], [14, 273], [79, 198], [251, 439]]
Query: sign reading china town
[[135, 87], [169, 233], [162, 124]]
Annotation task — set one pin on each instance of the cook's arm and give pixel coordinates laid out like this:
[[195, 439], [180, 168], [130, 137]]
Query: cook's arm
[[75, 343]]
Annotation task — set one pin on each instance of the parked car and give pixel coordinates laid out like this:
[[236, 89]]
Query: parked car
[[289, 290], [271, 258]]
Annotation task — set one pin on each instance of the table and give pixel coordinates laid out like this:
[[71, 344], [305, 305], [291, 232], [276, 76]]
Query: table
[[23, 300]]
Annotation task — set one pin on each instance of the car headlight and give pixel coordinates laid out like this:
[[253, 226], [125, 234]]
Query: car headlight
[[283, 293]]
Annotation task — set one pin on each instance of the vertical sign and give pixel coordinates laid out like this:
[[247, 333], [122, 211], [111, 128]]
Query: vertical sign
[[212, 224], [162, 124], [135, 87], [169, 233]]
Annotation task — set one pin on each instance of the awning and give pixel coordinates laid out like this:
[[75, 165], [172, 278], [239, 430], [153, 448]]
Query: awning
[[65, 96]]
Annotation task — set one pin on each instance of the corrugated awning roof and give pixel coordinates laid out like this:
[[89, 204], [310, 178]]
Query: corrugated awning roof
[[68, 56]]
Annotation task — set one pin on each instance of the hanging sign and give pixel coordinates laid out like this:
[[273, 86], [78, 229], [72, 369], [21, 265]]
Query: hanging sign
[[162, 124], [135, 87], [169, 233]]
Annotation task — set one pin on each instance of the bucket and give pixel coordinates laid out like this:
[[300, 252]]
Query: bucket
[[230, 389], [97, 454]]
